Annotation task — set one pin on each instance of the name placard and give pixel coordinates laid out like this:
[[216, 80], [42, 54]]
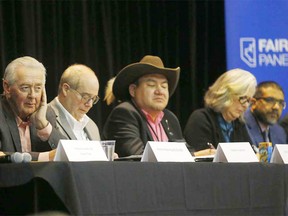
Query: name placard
[[166, 152], [280, 154], [235, 152], [80, 150]]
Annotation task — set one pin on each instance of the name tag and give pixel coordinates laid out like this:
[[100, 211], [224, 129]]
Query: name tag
[[166, 152], [80, 150], [280, 154], [235, 152]]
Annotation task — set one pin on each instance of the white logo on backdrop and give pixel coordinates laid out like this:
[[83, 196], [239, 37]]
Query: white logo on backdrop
[[248, 51], [264, 52]]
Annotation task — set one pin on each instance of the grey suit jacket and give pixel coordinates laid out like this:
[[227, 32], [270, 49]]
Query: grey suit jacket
[[10, 138], [54, 113]]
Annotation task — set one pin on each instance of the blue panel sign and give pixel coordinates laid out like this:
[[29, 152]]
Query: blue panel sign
[[257, 38]]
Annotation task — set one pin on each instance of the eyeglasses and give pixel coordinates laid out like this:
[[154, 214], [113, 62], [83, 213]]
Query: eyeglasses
[[272, 101], [85, 98], [244, 99]]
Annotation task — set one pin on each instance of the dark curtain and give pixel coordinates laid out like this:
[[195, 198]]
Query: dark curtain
[[108, 35]]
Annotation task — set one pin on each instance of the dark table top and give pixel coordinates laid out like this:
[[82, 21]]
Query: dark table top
[[145, 188]]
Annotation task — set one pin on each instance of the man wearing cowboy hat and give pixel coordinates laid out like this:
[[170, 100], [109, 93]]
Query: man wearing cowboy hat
[[144, 89]]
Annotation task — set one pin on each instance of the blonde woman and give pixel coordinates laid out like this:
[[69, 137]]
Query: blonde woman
[[222, 118]]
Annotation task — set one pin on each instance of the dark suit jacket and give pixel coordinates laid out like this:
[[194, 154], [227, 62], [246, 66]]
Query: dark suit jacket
[[284, 123], [277, 134], [55, 114], [10, 138], [127, 125], [203, 127]]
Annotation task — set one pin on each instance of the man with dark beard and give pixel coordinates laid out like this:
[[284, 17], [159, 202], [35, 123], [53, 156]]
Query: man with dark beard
[[265, 110]]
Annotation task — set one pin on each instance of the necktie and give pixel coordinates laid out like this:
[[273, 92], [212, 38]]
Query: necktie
[[266, 135]]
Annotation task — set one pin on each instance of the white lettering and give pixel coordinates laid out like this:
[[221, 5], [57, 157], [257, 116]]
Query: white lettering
[[276, 45], [273, 59], [261, 44], [265, 52], [283, 45]]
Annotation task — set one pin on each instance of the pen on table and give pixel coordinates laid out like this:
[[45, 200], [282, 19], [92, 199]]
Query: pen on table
[[211, 146]]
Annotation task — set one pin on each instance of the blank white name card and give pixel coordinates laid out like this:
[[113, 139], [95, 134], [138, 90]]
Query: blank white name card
[[235, 152], [280, 154], [80, 150], [166, 152]]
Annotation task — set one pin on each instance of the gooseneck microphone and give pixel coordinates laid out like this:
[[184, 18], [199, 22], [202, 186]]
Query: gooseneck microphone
[[12, 158]]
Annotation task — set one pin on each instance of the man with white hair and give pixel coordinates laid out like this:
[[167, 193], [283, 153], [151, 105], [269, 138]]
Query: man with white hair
[[23, 106]]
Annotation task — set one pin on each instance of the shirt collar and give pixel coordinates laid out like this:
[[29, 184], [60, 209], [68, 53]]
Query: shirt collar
[[263, 127], [75, 125], [20, 122], [149, 117]]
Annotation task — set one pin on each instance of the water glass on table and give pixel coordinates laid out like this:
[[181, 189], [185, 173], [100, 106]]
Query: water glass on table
[[109, 148]]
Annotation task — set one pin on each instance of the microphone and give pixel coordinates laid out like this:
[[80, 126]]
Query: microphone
[[26, 157], [13, 158]]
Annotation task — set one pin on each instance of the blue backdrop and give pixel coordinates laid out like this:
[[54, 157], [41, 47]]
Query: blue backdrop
[[257, 39]]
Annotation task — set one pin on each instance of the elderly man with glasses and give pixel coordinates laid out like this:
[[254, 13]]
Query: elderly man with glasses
[[77, 93], [264, 113]]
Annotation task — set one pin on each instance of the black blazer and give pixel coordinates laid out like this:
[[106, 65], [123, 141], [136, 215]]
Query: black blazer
[[127, 125], [203, 127]]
